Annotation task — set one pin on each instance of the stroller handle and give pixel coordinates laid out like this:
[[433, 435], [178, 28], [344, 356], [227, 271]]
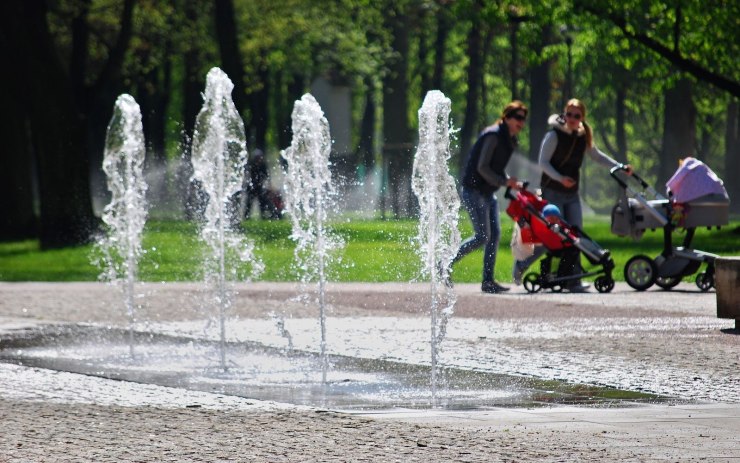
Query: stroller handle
[[645, 185], [507, 193], [621, 167]]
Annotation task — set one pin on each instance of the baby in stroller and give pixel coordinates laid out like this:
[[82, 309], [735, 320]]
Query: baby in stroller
[[542, 224]]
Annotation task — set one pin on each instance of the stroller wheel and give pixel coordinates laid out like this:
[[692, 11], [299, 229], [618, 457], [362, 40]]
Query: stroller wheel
[[603, 284], [640, 272], [667, 282], [532, 283], [704, 281]]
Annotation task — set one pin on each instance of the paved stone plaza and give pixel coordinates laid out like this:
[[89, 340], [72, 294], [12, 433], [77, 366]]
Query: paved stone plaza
[[667, 343]]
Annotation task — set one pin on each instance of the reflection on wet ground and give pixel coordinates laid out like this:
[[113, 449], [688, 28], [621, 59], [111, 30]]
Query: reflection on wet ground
[[171, 356]]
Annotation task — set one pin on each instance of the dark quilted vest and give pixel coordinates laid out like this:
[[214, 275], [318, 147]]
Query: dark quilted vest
[[567, 160], [501, 155]]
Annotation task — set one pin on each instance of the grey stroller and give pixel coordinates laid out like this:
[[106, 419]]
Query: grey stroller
[[641, 207]]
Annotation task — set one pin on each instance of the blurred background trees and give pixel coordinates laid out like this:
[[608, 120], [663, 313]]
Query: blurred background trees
[[660, 79]]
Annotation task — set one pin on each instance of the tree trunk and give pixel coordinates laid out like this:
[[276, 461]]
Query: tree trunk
[[153, 92], [367, 128], [424, 70], [17, 218], [80, 50], [396, 131], [99, 100], [706, 139], [621, 116], [539, 108], [193, 84], [514, 65], [444, 24], [58, 130], [193, 81], [228, 45], [486, 47], [732, 156], [679, 130], [153, 96], [475, 76], [288, 89], [260, 114]]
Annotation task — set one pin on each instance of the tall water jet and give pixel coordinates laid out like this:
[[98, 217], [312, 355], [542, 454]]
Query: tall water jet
[[125, 214], [310, 195], [439, 204], [219, 157]]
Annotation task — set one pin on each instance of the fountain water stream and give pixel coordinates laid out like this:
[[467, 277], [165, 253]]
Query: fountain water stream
[[219, 157], [310, 196], [126, 213], [439, 203]]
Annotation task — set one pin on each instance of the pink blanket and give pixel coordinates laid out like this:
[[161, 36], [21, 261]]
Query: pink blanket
[[694, 179]]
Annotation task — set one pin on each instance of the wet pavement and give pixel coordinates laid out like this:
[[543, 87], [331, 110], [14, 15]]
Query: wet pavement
[[668, 343]]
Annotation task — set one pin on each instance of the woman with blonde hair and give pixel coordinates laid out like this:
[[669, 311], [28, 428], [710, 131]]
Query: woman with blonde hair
[[484, 173], [561, 155]]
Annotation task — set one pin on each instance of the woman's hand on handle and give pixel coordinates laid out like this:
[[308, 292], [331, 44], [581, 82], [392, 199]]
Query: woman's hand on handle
[[513, 183]]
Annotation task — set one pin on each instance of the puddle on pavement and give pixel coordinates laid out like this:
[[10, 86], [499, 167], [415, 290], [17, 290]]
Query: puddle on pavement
[[265, 373]]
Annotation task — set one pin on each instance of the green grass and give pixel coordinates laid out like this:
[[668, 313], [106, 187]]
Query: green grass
[[375, 251]]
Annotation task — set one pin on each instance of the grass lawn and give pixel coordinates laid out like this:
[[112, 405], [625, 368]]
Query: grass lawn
[[375, 251]]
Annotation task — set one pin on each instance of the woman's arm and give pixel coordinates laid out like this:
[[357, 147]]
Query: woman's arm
[[601, 157], [606, 161], [484, 162]]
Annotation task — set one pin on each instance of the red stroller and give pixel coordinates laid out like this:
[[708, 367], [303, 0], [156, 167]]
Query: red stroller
[[559, 239]]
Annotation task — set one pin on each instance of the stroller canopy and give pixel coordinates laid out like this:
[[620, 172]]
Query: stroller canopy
[[694, 179]]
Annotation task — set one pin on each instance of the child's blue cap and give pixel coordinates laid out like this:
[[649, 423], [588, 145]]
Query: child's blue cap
[[551, 210]]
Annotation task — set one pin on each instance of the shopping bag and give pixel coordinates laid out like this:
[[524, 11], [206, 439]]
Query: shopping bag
[[519, 248]]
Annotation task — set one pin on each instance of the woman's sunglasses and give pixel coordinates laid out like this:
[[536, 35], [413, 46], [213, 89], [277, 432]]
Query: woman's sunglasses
[[519, 117], [575, 116]]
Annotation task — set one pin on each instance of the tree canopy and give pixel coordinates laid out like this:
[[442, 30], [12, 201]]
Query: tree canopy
[[633, 62]]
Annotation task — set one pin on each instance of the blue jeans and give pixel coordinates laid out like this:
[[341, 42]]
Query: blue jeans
[[483, 211], [571, 211]]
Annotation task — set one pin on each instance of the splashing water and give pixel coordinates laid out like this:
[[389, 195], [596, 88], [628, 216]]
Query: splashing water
[[438, 237], [125, 215], [219, 157], [310, 195]]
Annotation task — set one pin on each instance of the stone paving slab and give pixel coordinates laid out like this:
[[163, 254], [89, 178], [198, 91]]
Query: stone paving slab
[[35, 427]]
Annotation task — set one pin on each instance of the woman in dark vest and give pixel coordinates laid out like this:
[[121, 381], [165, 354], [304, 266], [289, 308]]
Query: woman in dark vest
[[561, 156], [484, 174]]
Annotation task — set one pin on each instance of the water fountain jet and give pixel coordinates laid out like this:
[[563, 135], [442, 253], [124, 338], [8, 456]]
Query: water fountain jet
[[125, 214], [310, 196], [439, 205], [219, 157]]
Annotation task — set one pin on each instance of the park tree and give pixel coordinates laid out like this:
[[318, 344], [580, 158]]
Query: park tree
[[614, 94], [148, 72], [228, 45], [541, 91], [59, 107], [17, 216], [697, 37], [397, 137], [700, 42], [474, 46]]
